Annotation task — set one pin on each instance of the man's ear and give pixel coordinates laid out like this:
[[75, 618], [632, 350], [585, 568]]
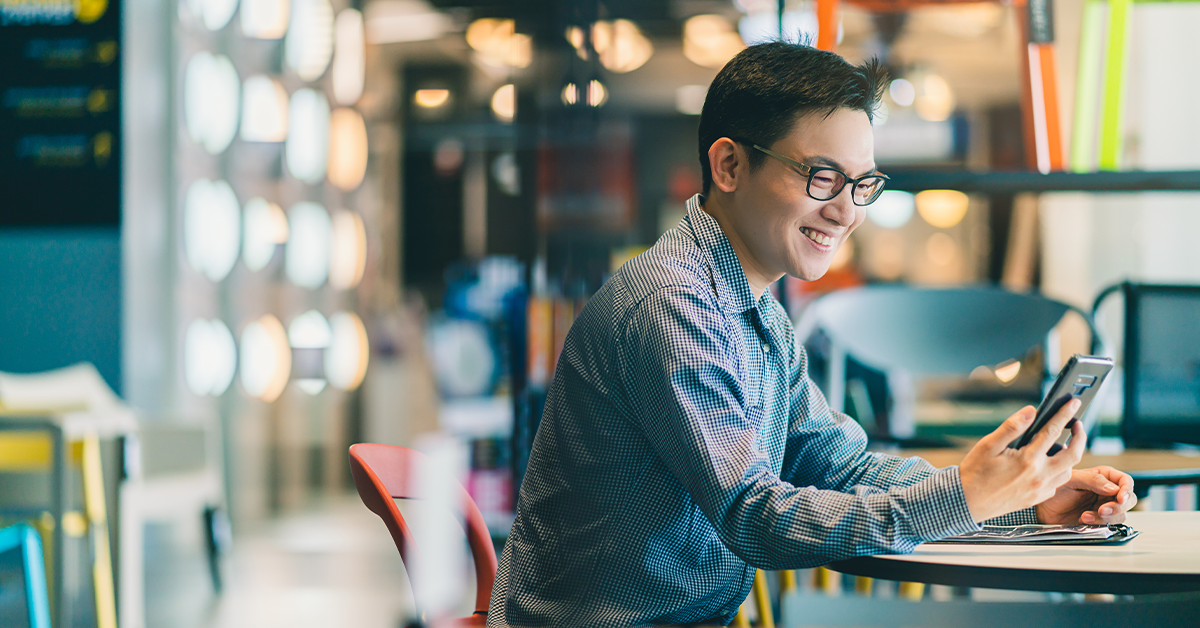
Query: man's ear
[[724, 157]]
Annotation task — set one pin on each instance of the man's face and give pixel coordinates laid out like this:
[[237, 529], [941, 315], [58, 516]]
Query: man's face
[[784, 228]]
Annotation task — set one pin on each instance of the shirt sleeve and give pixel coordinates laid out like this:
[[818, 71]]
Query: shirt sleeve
[[680, 383]]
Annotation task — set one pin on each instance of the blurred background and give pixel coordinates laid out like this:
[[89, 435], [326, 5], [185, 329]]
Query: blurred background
[[274, 228]]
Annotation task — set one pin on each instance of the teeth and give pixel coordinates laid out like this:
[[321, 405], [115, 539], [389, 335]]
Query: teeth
[[817, 237]]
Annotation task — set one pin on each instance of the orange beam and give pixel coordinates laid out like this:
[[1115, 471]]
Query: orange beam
[[827, 24]]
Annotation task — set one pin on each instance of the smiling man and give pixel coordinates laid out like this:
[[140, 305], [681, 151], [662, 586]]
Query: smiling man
[[683, 444]]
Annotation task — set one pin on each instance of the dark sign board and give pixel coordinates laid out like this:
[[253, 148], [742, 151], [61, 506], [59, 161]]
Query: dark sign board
[[60, 115]]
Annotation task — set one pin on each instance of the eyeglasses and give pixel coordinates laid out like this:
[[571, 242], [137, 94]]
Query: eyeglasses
[[824, 183]]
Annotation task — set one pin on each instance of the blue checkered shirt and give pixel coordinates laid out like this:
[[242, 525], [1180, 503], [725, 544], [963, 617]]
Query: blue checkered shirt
[[683, 445]]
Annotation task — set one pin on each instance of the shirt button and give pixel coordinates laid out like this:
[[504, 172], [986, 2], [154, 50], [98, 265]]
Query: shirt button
[[766, 348]]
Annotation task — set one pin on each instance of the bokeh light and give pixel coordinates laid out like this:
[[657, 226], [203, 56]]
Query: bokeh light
[[264, 228], [710, 41], [348, 250], [498, 43], [265, 359], [504, 102], [209, 357], [349, 57], [348, 353], [306, 260], [264, 110], [307, 147], [265, 19], [309, 43], [942, 208], [210, 101], [347, 148], [211, 228], [892, 209]]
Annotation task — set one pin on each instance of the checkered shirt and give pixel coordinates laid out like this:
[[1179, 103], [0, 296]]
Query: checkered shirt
[[683, 445]]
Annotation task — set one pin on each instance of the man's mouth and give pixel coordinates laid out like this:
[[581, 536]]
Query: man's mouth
[[817, 236]]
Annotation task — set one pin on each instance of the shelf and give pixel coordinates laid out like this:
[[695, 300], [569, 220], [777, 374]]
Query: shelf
[[1014, 182]]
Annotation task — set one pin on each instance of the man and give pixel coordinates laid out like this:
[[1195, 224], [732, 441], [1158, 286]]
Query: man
[[683, 444]]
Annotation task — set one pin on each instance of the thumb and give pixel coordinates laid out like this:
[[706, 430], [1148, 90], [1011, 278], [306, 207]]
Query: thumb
[[1009, 430]]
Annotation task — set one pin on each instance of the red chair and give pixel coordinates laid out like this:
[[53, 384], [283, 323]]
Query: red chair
[[381, 474]]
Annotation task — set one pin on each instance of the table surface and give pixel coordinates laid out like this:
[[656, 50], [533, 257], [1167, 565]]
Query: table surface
[[1164, 558]]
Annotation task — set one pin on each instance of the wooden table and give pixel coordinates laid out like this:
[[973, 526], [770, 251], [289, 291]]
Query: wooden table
[[1148, 467], [1164, 559]]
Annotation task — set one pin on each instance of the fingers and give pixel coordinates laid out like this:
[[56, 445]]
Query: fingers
[[1053, 429], [1092, 480], [1009, 430]]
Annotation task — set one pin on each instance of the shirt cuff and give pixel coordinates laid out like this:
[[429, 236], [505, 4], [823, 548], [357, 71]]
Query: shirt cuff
[[939, 507], [1018, 518]]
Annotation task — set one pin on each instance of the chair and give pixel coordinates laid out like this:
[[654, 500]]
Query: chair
[[382, 474], [932, 331]]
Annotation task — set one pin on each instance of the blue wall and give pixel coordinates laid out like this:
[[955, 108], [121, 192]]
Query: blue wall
[[61, 292]]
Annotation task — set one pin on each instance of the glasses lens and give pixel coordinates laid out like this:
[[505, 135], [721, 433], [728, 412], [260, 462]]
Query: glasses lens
[[868, 189], [825, 183]]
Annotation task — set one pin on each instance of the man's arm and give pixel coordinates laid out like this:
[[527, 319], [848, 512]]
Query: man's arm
[[827, 449], [681, 388]]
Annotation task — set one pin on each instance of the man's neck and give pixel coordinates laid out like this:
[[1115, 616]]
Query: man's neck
[[719, 207]]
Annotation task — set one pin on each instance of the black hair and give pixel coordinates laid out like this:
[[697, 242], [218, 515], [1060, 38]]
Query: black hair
[[760, 94]]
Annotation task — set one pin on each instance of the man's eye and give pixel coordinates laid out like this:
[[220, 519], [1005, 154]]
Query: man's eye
[[823, 179]]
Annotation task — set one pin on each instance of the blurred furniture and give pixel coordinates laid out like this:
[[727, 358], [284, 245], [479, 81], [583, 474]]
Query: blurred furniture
[[22, 566], [931, 331], [31, 444], [384, 473], [1161, 363], [1164, 559], [183, 482]]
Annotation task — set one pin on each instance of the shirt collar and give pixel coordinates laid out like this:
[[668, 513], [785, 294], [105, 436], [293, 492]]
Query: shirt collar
[[729, 279]]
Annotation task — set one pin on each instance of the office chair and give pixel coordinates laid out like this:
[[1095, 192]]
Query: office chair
[[933, 331], [382, 473], [22, 564]]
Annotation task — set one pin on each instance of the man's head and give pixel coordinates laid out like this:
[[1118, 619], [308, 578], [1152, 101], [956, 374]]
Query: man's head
[[804, 104]]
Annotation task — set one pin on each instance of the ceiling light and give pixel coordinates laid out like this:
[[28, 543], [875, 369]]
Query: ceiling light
[[1007, 371], [347, 356], [942, 208], [392, 21], [349, 57], [310, 330], [306, 260], [689, 99], [209, 357], [307, 148], [266, 359], [499, 44], [892, 209], [431, 98], [620, 45], [347, 148], [710, 41], [504, 102], [265, 227], [264, 110], [570, 94], [210, 101], [597, 95], [265, 19], [348, 250], [309, 43], [211, 228]]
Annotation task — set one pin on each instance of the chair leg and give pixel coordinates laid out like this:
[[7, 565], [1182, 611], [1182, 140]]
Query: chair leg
[[762, 598], [864, 585], [912, 591]]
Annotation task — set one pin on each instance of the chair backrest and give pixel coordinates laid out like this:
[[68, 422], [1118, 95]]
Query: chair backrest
[[1161, 360], [383, 473], [22, 565], [930, 331], [933, 331]]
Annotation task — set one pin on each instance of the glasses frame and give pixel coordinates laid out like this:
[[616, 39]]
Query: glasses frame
[[813, 170]]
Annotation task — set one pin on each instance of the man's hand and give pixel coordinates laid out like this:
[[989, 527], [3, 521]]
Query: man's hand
[[998, 480], [1093, 496]]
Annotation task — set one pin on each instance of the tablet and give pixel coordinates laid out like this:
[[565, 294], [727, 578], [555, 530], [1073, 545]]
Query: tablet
[[1080, 378]]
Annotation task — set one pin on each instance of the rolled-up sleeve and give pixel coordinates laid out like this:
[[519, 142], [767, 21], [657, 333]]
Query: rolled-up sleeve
[[681, 385]]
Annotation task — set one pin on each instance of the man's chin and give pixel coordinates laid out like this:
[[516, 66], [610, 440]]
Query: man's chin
[[808, 274]]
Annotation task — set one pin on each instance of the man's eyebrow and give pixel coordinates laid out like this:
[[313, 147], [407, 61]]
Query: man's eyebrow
[[821, 160]]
